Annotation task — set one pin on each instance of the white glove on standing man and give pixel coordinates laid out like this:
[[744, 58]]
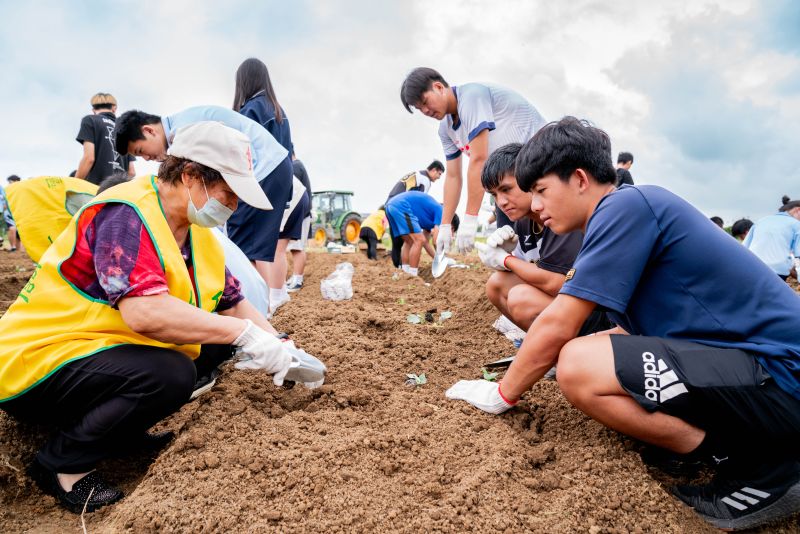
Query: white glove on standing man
[[444, 238], [504, 238], [466, 233], [482, 394], [493, 257], [258, 349]]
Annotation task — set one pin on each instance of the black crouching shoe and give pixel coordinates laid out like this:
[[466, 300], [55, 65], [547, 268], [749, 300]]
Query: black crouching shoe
[[730, 502], [91, 491]]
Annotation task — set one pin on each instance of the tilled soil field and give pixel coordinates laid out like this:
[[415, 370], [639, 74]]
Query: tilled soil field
[[366, 453]]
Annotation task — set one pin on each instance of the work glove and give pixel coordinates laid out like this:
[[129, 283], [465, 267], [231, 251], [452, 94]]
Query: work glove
[[492, 257], [258, 349], [444, 238], [504, 238], [466, 233], [482, 394]]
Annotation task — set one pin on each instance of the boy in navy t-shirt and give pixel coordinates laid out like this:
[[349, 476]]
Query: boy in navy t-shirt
[[708, 372]]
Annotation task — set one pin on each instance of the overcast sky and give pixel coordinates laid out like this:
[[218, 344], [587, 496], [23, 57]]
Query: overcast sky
[[705, 93]]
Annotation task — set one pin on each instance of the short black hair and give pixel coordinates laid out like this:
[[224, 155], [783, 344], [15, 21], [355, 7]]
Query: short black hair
[[436, 165], [119, 177], [13, 178], [718, 221], [416, 83], [129, 128], [500, 164], [562, 147], [787, 203], [625, 157], [741, 227]]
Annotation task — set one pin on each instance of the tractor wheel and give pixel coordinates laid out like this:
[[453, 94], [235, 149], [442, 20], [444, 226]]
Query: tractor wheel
[[319, 235], [351, 227]]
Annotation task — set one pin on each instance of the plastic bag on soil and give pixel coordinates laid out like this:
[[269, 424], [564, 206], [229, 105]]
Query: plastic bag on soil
[[338, 285]]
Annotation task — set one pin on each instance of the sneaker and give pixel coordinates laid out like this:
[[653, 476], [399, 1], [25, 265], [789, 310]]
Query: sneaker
[[294, 285], [672, 463], [205, 383], [275, 304], [736, 504], [91, 491]]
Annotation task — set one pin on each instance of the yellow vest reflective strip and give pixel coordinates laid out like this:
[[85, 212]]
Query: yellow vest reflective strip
[[39, 208], [410, 180], [52, 322], [375, 223]]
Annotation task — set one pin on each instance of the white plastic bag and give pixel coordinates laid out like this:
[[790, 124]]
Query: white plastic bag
[[338, 285]]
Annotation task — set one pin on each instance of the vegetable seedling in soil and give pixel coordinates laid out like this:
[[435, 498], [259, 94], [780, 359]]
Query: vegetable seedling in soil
[[491, 377], [415, 380]]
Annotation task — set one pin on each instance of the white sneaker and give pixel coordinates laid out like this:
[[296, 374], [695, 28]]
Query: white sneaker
[[277, 303], [294, 285]]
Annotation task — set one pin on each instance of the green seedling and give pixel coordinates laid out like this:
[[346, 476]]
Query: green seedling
[[415, 380], [491, 377], [401, 301]]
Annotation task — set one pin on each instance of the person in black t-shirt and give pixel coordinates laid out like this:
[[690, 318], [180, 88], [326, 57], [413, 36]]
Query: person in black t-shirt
[[96, 134], [531, 261], [624, 163]]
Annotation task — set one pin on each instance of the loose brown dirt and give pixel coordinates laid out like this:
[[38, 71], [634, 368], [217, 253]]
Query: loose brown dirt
[[366, 453]]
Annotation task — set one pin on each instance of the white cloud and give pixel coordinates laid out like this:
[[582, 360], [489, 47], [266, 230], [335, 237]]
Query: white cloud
[[337, 67]]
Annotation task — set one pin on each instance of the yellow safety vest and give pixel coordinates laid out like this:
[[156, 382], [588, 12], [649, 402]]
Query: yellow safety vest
[[52, 322], [42, 207], [375, 223]]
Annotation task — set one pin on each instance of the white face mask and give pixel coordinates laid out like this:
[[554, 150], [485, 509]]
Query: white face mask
[[213, 213]]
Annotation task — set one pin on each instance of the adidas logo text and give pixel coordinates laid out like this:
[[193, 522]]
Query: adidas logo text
[[660, 382]]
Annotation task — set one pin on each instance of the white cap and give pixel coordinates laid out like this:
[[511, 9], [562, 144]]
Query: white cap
[[225, 150]]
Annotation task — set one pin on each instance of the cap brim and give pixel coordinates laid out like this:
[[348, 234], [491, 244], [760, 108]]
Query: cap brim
[[248, 190]]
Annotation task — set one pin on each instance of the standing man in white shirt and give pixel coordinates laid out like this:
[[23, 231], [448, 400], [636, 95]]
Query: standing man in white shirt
[[474, 119]]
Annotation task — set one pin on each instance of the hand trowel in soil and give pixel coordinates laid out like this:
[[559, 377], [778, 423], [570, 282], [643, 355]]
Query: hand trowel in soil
[[500, 364], [304, 367], [439, 265]]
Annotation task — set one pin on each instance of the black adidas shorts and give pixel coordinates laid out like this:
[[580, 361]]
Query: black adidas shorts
[[721, 390]]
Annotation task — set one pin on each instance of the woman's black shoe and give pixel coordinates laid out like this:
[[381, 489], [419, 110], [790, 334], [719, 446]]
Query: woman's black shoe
[[92, 484]]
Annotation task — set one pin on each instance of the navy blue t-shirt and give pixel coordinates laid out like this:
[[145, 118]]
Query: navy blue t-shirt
[[663, 269], [261, 110]]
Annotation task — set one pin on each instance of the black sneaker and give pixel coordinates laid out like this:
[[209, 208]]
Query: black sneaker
[[672, 463], [747, 502], [205, 383], [91, 491]]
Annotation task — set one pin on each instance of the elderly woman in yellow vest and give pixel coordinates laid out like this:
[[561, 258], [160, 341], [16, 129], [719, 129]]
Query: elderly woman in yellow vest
[[372, 230], [116, 323]]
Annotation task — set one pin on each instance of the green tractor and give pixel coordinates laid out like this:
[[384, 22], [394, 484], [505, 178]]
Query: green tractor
[[336, 220]]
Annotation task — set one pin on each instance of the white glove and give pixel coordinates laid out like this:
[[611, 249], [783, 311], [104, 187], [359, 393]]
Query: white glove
[[258, 349], [504, 238], [482, 394], [444, 238], [466, 233], [492, 257]]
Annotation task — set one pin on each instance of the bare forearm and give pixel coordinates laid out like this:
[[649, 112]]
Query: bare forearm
[[84, 167], [170, 320], [535, 357], [452, 193], [474, 187], [531, 274], [429, 248]]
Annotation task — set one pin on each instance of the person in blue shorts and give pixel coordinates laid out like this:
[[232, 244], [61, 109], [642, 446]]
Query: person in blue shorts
[[697, 368], [413, 215], [255, 231]]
